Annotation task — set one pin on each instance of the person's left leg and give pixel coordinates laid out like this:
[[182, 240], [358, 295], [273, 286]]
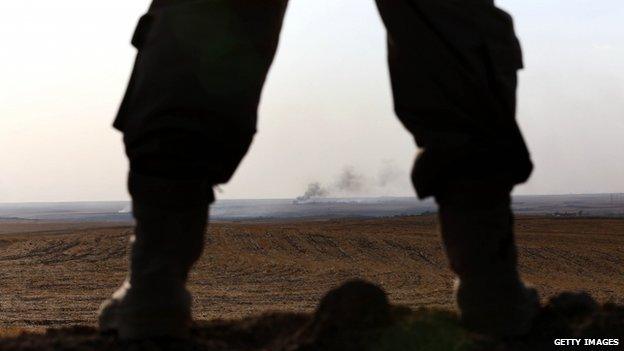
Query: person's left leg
[[453, 71]]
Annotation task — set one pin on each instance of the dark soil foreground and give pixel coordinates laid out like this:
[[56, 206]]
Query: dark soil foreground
[[356, 316]]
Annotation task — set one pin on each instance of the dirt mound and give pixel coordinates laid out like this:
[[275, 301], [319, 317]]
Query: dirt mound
[[355, 316]]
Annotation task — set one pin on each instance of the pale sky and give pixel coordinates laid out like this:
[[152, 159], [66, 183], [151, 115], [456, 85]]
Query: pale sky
[[64, 65]]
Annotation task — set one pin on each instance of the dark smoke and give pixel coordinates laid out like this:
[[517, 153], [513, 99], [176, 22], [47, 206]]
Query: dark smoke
[[350, 181], [314, 190]]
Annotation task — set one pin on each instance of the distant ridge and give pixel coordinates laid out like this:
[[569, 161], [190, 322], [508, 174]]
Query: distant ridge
[[583, 205]]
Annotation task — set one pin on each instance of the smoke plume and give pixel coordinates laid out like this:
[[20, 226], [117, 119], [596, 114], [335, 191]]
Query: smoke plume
[[314, 190], [351, 182]]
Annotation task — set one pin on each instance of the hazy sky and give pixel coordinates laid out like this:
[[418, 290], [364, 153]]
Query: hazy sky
[[326, 106]]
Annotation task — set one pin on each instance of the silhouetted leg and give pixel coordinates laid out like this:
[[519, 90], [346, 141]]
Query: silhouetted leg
[[453, 68], [188, 118]]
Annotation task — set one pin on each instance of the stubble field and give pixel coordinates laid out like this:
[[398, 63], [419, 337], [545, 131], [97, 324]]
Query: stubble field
[[56, 274]]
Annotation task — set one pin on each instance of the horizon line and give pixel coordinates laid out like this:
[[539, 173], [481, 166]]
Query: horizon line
[[294, 198]]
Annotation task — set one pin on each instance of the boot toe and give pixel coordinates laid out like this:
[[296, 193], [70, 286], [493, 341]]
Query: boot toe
[[145, 316], [504, 321]]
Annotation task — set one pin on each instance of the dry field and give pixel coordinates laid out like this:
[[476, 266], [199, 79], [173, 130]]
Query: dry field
[[55, 274]]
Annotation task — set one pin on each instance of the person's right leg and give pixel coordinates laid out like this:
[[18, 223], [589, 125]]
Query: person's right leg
[[453, 70], [188, 118]]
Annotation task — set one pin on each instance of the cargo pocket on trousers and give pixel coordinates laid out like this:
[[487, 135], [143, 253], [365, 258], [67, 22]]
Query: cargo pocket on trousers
[[505, 57], [504, 61], [138, 41], [139, 38]]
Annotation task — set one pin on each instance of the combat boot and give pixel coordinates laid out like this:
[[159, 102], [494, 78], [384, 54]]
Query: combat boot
[[153, 300], [477, 230]]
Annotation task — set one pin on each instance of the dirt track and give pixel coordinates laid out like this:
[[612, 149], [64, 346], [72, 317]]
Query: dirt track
[[59, 277]]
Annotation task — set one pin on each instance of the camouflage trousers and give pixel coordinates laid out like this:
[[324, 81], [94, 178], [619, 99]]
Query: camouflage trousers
[[191, 105]]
